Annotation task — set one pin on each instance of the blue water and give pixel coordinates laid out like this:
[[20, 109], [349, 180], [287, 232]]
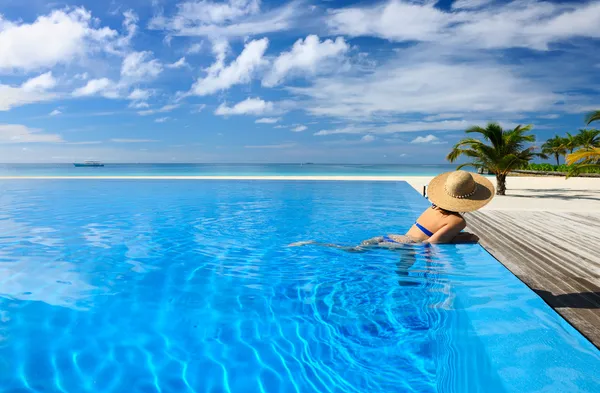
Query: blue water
[[187, 286], [223, 170]]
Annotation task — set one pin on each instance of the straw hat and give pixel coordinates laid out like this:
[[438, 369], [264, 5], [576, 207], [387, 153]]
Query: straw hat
[[460, 191]]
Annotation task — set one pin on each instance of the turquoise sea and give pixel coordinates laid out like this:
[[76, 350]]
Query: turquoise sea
[[224, 170]]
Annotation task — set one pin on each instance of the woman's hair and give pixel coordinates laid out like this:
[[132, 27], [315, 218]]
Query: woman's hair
[[444, 211]]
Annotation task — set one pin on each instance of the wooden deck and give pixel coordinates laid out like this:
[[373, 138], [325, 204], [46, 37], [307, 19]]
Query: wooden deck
[[556, 254]]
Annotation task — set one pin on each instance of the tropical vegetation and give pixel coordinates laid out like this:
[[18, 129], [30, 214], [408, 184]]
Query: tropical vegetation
[[588, 139], [555, 147], [500, 151], [571, 142], [587, 158], [563, 168], [562, 146], [583, 149]]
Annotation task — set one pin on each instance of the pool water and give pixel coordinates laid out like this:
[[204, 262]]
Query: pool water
[[188, 286]]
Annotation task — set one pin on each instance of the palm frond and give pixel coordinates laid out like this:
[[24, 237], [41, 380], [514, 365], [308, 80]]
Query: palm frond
[[584, 156], [575, 170], [591, 117], [473, 164]]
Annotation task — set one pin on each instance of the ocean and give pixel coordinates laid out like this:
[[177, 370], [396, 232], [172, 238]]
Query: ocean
[[224, 170]]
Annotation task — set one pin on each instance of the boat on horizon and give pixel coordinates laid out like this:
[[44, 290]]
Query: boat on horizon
[[88, 163]]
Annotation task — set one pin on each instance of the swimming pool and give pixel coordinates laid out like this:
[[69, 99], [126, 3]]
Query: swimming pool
[[187, 286]]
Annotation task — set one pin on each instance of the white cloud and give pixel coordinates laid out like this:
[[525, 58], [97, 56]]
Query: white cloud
[[268, 120], [426, 139], [139, 105], [17, 133], [55, 112], [393, 128], [40, 83], [306, 56], [549, 116], [195, 48], [164, 109], [103, 86], [395, 20], [234, 18], [178, 64], [120, 140], [140, 95], [299, 128], [32, 91], [250, 106], [529, 24], [367, 138], [239, 71], [58, 38], [130, 21], [138, 66], [161, 119], [220, 48], [406, 86], [208, 12]]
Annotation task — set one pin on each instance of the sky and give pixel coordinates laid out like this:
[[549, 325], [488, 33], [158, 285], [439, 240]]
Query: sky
[[251, 81]]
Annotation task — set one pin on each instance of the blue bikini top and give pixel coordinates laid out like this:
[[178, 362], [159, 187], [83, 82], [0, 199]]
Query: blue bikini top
[[423, 229]]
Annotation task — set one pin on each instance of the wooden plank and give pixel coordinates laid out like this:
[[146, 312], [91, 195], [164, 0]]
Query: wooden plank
[[555, 253]]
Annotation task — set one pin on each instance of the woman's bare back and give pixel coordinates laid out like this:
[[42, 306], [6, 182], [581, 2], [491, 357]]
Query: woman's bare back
[[435, 220]]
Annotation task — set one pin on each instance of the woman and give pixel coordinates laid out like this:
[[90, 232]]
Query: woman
[[451, 194]]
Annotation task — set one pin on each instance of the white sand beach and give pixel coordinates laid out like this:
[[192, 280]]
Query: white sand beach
[[541, 194], [523, 193]]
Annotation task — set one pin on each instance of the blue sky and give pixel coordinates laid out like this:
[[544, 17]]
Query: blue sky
[[264, 81]]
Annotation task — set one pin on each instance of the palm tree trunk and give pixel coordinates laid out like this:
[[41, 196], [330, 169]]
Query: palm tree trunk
[[500, 184], [557, 162]]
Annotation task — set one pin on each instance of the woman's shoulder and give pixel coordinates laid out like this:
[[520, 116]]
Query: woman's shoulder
[[457, 219]]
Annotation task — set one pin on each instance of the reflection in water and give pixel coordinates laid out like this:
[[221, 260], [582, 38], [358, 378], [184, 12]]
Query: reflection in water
[[34, 268], [45, 280]]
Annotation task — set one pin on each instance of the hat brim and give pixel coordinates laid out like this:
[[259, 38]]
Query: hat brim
[[436, 193]]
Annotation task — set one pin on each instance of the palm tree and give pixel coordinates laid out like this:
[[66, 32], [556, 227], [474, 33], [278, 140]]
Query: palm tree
[[588, 139], [505, 152], [571, 143], [594, 116], [555, 146], [582, 159]]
